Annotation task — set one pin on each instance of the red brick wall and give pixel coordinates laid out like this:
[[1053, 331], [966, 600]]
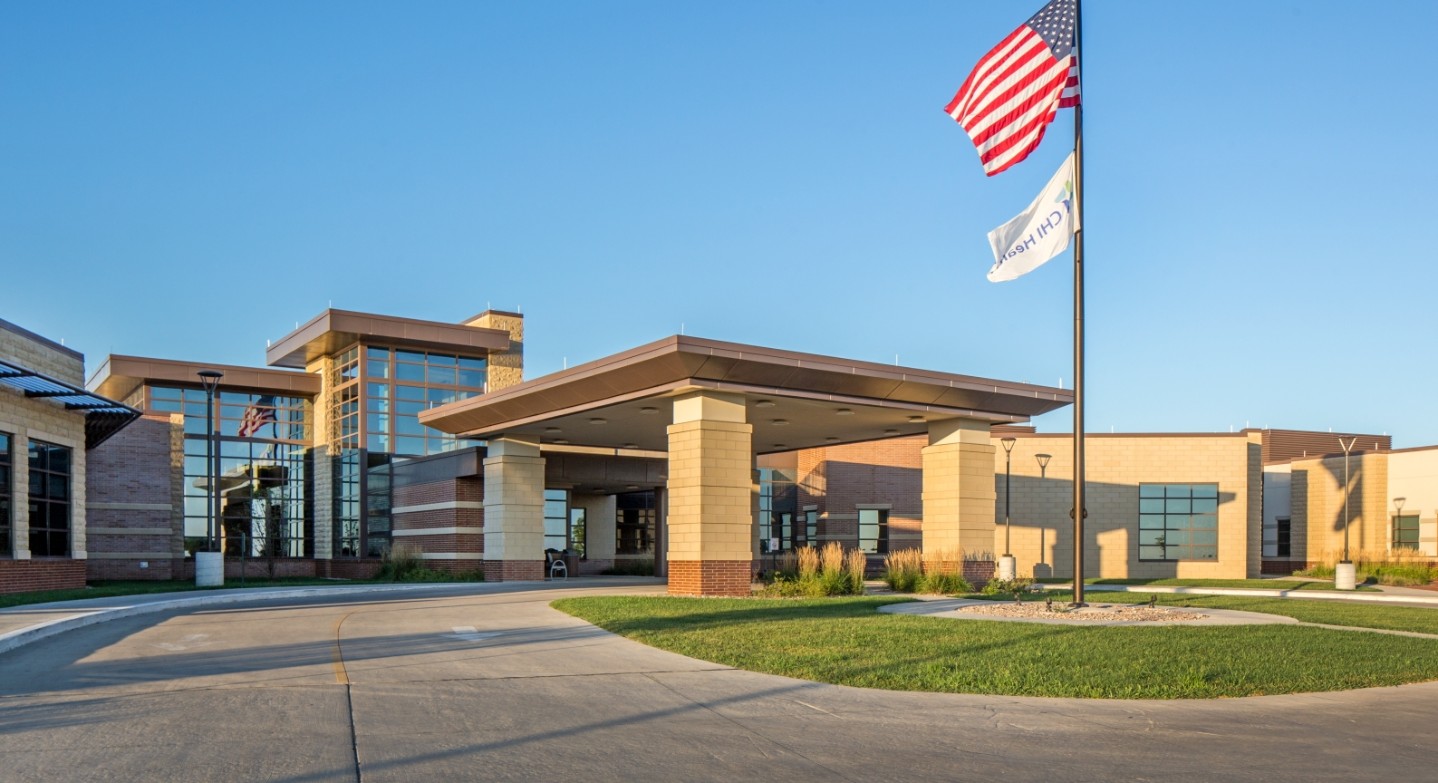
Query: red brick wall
[[838, 479], [468, 489], [711, 577], [25, 576], [347, 569], [513, 570], [136, 466]]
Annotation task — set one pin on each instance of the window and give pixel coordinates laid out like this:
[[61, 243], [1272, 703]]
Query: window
[[400, 383], [778, 499], [49, 500], [1405, 531], [577, 531], [1285, 537], [556, 519], [1178, 522], [811, 526], [6, 476], [874, 530], [634, 523]]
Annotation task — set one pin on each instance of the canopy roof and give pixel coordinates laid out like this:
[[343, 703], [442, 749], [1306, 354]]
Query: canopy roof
[[103, 417], [794, 400]]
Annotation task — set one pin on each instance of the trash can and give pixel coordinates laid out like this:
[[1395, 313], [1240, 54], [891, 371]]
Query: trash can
[[571, 563]]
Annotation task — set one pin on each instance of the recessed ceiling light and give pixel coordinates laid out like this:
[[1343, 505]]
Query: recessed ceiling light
[[598, 420], [916, 419], [551, 429], [560, 442], [779, 422], [779, 445], [845, 411], [632, 486], [631, 445], [831, 439], [891, 432], [764, 403], [648, 409]]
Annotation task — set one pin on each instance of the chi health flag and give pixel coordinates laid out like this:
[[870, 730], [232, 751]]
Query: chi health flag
[[1040, 232]]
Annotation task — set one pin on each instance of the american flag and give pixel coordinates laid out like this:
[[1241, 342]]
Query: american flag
[[1016, 89], [260, 413]]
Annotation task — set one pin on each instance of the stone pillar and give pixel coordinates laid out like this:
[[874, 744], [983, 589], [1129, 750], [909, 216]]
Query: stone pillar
[[506, 368], [513, 511], [711, 464], [958, 493]]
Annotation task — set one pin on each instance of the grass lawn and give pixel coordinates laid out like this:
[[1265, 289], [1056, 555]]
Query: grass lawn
[[846, 642]]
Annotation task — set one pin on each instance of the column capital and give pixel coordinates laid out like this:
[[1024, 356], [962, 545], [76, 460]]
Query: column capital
[[710, 406]]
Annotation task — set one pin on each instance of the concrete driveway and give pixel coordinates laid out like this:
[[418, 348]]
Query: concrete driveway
[[498, 686]]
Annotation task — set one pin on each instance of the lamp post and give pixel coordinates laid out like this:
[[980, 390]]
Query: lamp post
[[1043, 460], [1008, 564], [1397, 519], [210, 564], [1345, 576]]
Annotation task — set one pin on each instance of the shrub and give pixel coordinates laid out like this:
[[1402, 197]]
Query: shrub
[[630, 568], [945, 583], [402, 563], [904, 570], [1016, 585], [816, 573]]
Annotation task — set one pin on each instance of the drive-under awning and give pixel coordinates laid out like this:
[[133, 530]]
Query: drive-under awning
[[793, 400]]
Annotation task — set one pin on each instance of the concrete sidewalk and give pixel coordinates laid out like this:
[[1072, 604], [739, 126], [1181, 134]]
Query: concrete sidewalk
[[1384, 594], [22, 625]]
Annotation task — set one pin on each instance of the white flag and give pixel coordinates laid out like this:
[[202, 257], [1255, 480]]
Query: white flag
[[1040, 232]]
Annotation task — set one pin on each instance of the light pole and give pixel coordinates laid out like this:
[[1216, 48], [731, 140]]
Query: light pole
[[1008, 564], [210, 568], [1043, 460], [1397, 519], [1345, 576]]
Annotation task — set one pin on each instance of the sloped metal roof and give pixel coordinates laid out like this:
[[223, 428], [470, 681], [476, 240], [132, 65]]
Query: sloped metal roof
[[103, 416]]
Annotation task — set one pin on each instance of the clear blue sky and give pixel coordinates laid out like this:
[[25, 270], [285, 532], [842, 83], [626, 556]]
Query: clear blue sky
[[186, 180]]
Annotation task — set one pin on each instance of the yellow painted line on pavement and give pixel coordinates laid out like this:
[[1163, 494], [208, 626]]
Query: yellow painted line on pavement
[[341, 676]]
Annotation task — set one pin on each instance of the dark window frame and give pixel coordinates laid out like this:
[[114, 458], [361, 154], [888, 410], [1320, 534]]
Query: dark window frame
[[1401, 530], [7, 495], [880, 540], [48, 505], [1173, 509]]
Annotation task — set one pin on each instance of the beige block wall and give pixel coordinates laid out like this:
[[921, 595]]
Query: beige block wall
[[26, 419], [958, 492], [1321, 513], [710, 491], [1413, 476], [1042, 530], [513, 502], [506, 368], [37, 355]]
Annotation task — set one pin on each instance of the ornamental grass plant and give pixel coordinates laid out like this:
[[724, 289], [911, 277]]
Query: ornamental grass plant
[[815, 573], [1400, 567]]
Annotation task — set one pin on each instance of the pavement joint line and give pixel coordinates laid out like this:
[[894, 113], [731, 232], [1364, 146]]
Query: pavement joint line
[[81, 617]]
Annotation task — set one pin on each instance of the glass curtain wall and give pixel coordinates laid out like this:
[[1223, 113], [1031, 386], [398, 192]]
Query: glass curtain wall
[[263, 453], [778, 507], [7, 476], [377, 393]]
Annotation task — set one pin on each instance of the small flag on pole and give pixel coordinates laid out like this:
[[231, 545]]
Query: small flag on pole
[[1016, 89], [1040, 232], [260, 413]]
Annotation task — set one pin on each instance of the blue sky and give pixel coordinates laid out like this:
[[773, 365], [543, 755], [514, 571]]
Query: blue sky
[[187, 180]]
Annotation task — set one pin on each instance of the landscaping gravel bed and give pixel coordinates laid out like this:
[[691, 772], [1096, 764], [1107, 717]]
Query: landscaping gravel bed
[[1034, 610]]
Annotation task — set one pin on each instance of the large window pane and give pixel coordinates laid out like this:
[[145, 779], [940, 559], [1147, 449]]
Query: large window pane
[[1178, 522]]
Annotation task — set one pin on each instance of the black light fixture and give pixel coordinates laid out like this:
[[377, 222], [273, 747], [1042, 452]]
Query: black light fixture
[[210, 380], [1008, 477]]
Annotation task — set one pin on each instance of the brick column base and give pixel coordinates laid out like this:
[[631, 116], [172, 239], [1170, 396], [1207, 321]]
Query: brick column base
[[513, 570], [711, 577]]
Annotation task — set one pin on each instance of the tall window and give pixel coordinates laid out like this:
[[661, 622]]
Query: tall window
[[1405, 531], [1285, 537], [6, 476], [556, 519], [874, 530], [1178, 522], [578, 534], [49, 500], [634, 523], [811, 526], [778, 499]]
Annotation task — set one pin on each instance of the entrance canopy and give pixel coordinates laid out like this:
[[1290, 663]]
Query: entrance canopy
[[793, 400]]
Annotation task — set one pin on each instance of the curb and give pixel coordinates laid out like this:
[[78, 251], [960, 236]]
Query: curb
[[85, 617]]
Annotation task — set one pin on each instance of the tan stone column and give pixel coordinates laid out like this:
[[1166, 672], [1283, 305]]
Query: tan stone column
[[513, 511], [711, 464], [958, 491]]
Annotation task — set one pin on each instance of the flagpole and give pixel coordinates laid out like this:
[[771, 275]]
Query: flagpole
[[1079, 511]]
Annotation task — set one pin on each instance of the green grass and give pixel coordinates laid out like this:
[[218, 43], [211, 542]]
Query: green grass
[[846, 642]]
